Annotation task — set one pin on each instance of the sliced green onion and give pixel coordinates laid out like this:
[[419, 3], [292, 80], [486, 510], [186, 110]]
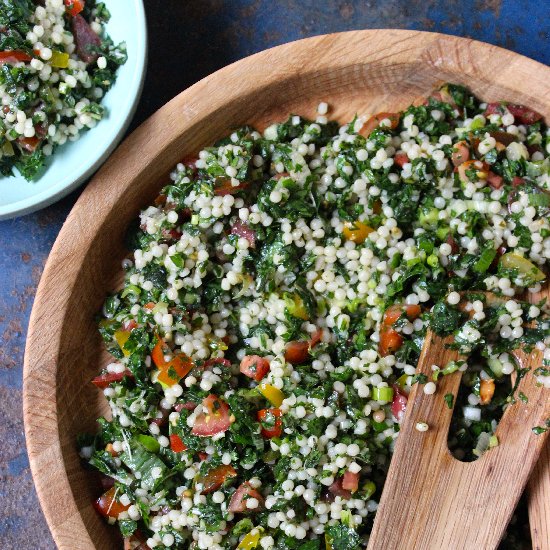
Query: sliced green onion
[[485, 260], [159, 307], [477, 123], [369, 489], [452, 366], [525, 268], [495, 365], [177, 260], [382, 393], [539, 199], [131, 289], [346, 518], [432, 260], [149, 442]]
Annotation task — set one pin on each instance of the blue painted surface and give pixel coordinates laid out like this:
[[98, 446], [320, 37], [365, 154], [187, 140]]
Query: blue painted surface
[[189, 40]]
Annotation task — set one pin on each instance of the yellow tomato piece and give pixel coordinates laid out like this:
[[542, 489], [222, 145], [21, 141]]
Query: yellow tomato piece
[[486, 391], [8, 149], [274, 395], [524, 267], [357, 231], [480, 169], [59, 60], [251, 540], [402, 381], [121, 337], [296, 307]]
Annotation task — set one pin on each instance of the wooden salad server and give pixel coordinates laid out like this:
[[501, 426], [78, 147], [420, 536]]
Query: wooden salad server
[[539, 501], [432, 500]]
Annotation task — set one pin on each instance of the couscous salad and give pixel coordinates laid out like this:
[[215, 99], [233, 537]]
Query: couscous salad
[[56, 64], [275, 304]]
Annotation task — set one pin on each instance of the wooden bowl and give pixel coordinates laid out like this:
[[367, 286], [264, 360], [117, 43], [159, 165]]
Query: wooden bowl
[[364, 72]]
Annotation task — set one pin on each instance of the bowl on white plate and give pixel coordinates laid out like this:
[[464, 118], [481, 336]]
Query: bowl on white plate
[[74, 162]]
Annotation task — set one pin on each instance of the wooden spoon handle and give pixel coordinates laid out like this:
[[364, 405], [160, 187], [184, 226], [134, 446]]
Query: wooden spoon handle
[[430, 499], [416, 484], [539, 501]]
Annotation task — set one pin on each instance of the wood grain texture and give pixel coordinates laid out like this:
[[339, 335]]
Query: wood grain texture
[[356, 72], [539, 501], [454, 504]]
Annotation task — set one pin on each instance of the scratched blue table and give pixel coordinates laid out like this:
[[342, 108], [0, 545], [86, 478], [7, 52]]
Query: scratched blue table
[[188, 40]]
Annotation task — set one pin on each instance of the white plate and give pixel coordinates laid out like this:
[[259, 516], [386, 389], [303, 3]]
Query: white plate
[[76, 161]]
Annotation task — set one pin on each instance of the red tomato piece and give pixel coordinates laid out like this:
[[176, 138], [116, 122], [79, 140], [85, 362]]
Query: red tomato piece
[[241, 229], [270, 420], [518, 182], [157, 355], [103, 380], [215, 420], [129, 325], [254, 366], [110, 449], [399, 403], [224, 187], [374, 121], [29, 143], [297, 352], [401, 159], [461, 153], [171, 372], [523, 114], [14, 56], [106, 482], [215, 478], [189, 406], [241, 495], [350, 482], [172, 234], [443, 95], [176, 369], [503, 137], [390, 342], [217, 361], [494, 109], [280, 176], [176, 444], [108, 506], [390, 339], [202, 456], [453, 244], [393, 313], [190, 161], [74, 7], [337, 490], [138, 537], [159, 421], [85, 38], [316, 337], [495, 181]]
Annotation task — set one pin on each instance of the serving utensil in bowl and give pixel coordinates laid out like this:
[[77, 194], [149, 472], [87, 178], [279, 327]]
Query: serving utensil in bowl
[[451, 504], [356, 72]]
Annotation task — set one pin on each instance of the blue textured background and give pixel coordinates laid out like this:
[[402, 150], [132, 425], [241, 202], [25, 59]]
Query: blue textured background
[[188, 40]]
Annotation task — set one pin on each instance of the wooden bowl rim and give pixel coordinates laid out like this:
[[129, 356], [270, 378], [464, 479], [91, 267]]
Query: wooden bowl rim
[[340, 50]]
